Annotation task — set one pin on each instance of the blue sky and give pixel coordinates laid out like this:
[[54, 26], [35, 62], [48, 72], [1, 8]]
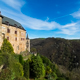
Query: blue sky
[[45, 18]]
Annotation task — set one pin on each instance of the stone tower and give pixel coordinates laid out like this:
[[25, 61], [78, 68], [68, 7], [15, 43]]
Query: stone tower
[[28, 43], [1, 39]]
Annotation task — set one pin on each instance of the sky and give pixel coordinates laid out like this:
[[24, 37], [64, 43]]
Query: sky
[[45, 18]]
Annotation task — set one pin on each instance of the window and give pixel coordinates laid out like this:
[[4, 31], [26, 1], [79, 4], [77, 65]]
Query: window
[[7, 38], [15, 39], [22, 39], [15, 32], [8, 30]]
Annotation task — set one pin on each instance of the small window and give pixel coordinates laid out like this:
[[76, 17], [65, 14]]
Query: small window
[[8, 30], [15, 39], [7, 38], [15, 32], [22, 39]]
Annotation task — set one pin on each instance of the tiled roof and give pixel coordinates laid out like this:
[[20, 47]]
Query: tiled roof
[[11, 22]]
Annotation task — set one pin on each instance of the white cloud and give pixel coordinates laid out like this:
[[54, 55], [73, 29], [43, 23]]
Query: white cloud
[[71, 29], [76, 14], [16, 4], [37, 24], [47, 19]]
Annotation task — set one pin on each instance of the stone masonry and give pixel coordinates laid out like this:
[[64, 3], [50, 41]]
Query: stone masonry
[[16, 35]]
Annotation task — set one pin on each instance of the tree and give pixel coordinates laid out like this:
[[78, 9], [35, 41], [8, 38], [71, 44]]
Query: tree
[[17, 68], [37, 69], [6, 74], [33, 50], [20, 78], [60, 78], [6, 47], [21, 59], [48, 70], [26, 69]]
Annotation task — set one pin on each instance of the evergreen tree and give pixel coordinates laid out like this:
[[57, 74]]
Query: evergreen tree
[[26, 69], [6, 47], [37, 69]]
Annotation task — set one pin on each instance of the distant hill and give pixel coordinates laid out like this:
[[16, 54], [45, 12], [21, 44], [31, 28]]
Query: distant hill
[[61, 51]]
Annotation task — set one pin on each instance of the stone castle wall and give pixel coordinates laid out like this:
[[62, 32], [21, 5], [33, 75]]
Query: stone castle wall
[[1, 31], [16, 36]]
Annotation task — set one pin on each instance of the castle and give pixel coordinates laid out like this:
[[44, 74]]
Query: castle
[[14, 33]]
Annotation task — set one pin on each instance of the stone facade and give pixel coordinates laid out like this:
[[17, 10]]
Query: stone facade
[[28, 43], [15, 35]]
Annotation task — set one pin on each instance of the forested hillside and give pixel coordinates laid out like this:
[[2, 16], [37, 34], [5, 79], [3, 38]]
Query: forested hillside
[[61, 51], [26, 67]]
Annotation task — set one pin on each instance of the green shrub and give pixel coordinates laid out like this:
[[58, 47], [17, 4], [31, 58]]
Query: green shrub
[[54, 75], [48, 70], [37, 69], [26, 69], [20, 78], [17, 68], [16, 57], [45, 60], [1, 60], [4, 59], [7, 47], [61, 78], [33, 50], [21, 59], [7, 74]]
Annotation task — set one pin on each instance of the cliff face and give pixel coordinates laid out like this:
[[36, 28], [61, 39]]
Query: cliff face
[[61, 51]]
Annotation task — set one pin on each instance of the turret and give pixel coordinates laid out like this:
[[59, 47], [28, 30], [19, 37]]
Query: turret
[[27, 37], [28, 43]]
